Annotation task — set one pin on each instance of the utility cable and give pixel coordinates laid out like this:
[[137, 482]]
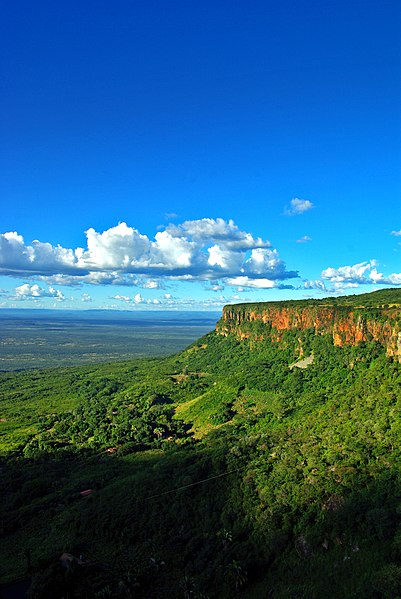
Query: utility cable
[[198, 482]]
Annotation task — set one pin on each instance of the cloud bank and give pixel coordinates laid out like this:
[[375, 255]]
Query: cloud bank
[[170, 302], [204, 249]]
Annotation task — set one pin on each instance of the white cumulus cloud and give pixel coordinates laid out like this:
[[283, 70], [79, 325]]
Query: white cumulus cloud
[[225, 233], [149, 285], [136, 300], [316, 284], [243, 281], [26, 291], [205, 249], [266, 262], [363, 273], [348, 274], [298, 206], [225, 259]]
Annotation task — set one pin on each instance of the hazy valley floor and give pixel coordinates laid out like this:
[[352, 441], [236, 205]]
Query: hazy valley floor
[[44, 338]]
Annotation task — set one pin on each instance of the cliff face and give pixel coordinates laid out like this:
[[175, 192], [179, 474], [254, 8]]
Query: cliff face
[[346, 325]]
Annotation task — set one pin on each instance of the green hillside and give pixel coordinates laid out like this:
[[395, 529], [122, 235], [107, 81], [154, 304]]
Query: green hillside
[[220, 472]]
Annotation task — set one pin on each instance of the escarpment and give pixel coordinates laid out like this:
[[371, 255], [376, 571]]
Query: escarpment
[[349, 323]]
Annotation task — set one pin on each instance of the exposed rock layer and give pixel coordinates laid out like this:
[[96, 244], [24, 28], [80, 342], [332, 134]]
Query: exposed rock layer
[[347, 326]]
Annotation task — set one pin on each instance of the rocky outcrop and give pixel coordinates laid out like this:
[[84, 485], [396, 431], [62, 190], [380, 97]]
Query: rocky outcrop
[[348, 325]]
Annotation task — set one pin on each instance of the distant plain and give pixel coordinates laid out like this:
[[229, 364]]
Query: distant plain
[[46, 338]]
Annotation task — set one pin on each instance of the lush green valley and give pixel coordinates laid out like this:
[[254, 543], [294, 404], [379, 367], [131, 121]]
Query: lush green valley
[[222, 471]]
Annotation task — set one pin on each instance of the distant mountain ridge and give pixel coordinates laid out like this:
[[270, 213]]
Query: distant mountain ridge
[[350, 320]]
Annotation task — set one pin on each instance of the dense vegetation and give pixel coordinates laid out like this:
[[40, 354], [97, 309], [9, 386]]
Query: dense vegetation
[[217, 472], [377, 299]]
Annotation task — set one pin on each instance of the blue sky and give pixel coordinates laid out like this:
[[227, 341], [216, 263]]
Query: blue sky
[[185, 155]]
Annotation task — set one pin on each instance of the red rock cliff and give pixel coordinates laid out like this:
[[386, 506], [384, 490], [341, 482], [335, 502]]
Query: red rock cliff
[[347, 325]]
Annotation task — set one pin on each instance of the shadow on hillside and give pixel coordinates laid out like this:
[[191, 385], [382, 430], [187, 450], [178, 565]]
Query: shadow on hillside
[[117, 510], [136, 525]]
